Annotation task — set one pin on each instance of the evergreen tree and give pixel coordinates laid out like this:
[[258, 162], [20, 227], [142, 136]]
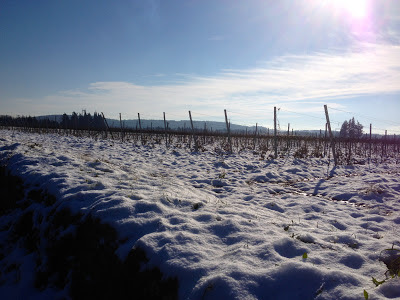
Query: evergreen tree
[[351, 129], [65, 121], [74, 120]]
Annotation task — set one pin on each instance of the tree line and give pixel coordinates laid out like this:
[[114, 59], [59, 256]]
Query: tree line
[[82, 121], [74, 121]]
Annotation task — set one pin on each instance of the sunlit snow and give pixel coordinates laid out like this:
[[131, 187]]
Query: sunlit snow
[[229, 226]]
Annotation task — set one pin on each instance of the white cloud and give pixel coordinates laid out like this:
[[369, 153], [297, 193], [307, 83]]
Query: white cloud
[[301, 82]]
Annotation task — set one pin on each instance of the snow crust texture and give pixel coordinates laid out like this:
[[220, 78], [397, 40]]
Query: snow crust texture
[[229, 226]]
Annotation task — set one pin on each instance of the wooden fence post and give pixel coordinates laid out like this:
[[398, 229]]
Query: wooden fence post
[[140, 123], [228, 128], [275, 137], [255, 136], [140, 128], [384, 145], [370, 142], [330, 134], [193, 134], [107, 127], [120, 123], [325, 138], [205, 132], [165, 129]]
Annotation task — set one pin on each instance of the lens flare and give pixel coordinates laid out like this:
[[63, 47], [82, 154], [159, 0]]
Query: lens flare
[[356, 8]]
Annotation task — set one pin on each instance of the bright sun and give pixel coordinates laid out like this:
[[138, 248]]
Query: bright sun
[[356, 8]]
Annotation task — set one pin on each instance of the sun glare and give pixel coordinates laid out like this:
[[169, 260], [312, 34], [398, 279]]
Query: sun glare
[[355, 8]]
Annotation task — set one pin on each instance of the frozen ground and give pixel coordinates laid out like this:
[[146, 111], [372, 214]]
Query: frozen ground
[[228, 226]]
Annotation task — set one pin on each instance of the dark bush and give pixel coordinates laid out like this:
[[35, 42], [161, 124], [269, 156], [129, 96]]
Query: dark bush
[[87, 261], [11, 191]]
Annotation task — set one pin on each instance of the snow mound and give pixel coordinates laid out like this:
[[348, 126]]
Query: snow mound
[[236, 228]]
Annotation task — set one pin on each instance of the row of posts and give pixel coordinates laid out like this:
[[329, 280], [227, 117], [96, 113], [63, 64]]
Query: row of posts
[[328, 127]]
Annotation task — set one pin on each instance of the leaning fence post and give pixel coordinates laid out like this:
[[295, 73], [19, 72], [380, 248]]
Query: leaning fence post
[[193, 135], [107, 127], [325, 138], [330, 134], [275, 137], [228, 128]]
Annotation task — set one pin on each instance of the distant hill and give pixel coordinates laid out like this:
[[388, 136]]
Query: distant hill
[[56, 118], [172, 124], [185, 124]]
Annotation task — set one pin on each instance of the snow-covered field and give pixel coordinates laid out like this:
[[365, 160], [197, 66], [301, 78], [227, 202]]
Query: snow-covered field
[[229, 226]]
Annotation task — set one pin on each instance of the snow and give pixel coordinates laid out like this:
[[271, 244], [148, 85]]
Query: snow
[[229, 226]]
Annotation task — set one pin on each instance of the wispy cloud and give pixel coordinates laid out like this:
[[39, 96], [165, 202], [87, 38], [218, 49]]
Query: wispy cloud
[[301, 82]]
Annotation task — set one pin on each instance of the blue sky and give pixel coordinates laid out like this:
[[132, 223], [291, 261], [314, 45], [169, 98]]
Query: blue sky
[[172, 56]]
